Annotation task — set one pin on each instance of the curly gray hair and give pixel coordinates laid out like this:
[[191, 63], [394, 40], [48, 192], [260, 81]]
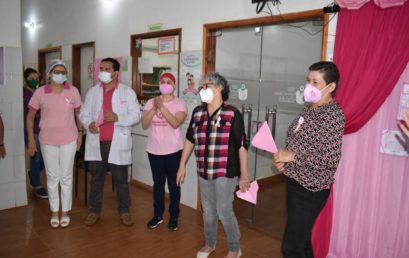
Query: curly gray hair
[[218, 80]]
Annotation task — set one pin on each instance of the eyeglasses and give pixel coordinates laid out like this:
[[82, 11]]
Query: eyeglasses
[[208, 85], [60, 72]]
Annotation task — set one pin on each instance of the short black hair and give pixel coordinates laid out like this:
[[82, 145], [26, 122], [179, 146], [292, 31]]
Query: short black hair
[[29, 71], [329, 72], [114, 62]]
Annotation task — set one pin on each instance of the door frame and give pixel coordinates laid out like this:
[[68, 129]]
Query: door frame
[[209, 40], [136, 52], [41, 59], [76, 62]]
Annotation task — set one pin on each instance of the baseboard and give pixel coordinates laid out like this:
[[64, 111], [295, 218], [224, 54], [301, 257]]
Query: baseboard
[[146, 187]]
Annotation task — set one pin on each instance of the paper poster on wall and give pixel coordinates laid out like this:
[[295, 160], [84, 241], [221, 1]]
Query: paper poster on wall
[[393, 142], [2, 68], [97, 62], [167, 45], [404, 100], [189, 77]]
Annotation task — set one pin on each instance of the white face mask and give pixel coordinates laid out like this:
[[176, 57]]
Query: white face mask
[[206, 95], [105, 77], [58, 78]]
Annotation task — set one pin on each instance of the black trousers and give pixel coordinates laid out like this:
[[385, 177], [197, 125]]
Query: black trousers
[[303, 207], [164, 168], [98, 171]]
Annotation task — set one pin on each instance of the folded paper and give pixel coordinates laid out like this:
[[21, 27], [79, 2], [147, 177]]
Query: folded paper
[[264, 139], [251, 194]]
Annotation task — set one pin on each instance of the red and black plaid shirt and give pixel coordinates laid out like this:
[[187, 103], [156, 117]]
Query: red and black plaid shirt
[[217, 139]]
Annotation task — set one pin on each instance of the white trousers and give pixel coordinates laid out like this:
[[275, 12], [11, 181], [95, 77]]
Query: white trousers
[[59, 162]]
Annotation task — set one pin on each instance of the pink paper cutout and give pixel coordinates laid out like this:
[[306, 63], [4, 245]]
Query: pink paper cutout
[[251, 194], [100, 119], [264, 140]]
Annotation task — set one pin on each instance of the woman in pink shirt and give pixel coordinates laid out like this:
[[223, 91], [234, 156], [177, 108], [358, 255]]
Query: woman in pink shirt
[[164, 115], [60, 136]]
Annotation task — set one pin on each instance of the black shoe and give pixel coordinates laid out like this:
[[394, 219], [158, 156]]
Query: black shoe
[[153, 223], [173, 224], [41, 193]]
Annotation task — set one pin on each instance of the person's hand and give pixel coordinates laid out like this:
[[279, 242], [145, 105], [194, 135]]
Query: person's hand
[[110, 116], [93, 128], [2, 151], [284, 156], [79, 141], [31, 148], [279, 165], [404, 124], [244, 183], [157, 103], [180, 176]]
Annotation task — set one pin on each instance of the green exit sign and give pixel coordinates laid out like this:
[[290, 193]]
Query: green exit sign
[[155, 26]]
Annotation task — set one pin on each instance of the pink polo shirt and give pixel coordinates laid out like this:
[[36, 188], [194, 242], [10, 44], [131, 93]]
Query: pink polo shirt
[[162, 138], [106, 130], [57, 124]]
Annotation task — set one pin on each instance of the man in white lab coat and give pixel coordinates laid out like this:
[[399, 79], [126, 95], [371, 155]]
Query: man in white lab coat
[[110, 110]]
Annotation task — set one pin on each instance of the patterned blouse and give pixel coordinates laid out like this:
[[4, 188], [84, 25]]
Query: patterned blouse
[[217, 139], [315, 137]]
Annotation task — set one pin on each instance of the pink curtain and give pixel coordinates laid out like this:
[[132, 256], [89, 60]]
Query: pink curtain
[[371, 51], [356, 4], [371, 193]]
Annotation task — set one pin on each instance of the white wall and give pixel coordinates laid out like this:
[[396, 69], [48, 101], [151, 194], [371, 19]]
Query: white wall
[[110, 24], [12, 167]]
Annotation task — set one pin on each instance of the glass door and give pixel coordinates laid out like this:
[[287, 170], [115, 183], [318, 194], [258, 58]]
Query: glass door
[[266, 68]]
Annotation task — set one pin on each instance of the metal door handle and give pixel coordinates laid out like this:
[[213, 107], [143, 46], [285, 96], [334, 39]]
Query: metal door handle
[[272, 112], [249, 111]]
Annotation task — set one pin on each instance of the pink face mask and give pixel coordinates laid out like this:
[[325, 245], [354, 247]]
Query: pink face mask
[[165, 88], [312, 94]]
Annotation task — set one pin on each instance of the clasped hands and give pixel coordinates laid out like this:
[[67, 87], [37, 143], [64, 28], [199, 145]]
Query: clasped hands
[[281, 157]]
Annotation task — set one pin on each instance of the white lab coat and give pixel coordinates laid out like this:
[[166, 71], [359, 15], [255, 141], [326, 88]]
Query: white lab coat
[[125, 104]]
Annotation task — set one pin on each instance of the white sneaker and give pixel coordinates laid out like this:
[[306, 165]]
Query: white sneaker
[[204, 254]]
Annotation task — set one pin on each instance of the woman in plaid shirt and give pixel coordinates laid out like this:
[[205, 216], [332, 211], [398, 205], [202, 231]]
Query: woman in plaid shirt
[[216, 134]]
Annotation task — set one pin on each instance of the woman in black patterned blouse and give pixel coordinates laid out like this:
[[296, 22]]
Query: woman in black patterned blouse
[[311, 157]]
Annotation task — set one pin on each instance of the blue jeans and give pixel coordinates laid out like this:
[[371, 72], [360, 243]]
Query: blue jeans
[[165, 167], [36, 163], [303, 207], [98, 171], [217, 203]]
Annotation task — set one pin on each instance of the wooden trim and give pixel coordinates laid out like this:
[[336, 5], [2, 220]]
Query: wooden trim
[[137, 52], [270, 181], [209, 41], [325, 38], [267, 20], [146, 187], [41, 59], [209, 51], [76, 62]]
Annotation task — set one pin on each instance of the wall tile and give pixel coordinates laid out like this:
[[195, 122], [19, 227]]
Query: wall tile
[[21, 193], [6, 168], [19, 168], [13, 60], [7, 195]]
